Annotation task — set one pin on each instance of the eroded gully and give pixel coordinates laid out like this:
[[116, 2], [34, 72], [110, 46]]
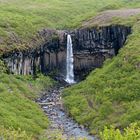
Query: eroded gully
[[52, 105]]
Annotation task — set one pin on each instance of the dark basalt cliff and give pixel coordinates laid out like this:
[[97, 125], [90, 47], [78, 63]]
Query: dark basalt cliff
[[94, 45], [48, 57], [91, 47]]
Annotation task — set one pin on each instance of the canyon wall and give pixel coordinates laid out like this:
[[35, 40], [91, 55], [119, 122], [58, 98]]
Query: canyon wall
[[92, 46]]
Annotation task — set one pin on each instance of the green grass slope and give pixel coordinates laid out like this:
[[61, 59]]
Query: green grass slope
[[110, 95], [20, 20], [17, 108]]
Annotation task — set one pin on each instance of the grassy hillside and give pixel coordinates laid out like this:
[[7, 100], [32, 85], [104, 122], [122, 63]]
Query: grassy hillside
[[20, 20], [110, 95], [17, 110]]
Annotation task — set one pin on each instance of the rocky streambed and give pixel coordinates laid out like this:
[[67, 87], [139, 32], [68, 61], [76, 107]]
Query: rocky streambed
[[59, 120]]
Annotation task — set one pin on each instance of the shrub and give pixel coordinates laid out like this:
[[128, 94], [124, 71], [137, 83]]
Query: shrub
[[11, 134], [130, 133]]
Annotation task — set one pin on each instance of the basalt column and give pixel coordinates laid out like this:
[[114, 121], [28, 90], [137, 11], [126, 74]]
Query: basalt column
[[92, 46]]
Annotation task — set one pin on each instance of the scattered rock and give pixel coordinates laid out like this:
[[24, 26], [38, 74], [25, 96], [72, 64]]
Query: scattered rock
[[53, 107]]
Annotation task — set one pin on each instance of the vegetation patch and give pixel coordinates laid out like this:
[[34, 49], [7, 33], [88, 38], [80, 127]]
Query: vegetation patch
[[18, 108], [11, 134], [130, 133]]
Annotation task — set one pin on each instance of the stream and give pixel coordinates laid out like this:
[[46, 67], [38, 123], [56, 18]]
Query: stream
[[52, 105]]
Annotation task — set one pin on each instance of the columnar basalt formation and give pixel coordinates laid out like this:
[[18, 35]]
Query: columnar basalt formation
[[92, 46], [50, 55]]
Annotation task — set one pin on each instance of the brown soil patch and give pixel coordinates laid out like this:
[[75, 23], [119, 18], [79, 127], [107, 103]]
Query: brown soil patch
[[107, 16]]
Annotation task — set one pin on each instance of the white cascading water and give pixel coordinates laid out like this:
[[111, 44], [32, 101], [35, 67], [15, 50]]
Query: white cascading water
[[69, 62]]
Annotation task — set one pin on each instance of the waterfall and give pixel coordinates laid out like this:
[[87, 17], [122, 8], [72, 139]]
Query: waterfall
[[69, 62]]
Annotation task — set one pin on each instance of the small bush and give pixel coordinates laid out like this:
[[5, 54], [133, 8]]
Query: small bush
[[11, 134], [130, 133]]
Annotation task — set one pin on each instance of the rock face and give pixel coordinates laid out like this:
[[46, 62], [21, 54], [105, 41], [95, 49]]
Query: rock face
[[94, 45], [91, 47], [48, 57]]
